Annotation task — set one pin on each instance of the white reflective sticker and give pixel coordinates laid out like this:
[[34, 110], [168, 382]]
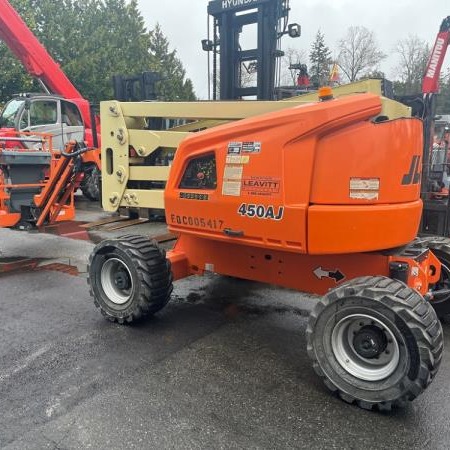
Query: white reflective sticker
[[365, 184], [231, 188], [361, 195], [364, 188], [233, 172]]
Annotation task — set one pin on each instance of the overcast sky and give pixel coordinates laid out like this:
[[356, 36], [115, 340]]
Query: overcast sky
[[184, 23]]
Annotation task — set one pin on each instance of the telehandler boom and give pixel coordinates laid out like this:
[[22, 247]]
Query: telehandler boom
[[62, 111]]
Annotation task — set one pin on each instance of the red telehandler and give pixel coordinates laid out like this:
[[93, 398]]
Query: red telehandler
[[61, 111], [434, 228]]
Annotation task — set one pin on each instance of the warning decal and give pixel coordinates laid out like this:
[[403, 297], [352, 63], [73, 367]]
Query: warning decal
[[251, 147], [232, 178], [233, 172], [365, 184], [231, 188], [237, 159], [364, 188], [234, 148]]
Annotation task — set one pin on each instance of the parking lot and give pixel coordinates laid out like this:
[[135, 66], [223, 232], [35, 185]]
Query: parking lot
[[224, 365]]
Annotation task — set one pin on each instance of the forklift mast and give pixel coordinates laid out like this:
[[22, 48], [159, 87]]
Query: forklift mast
[[229, 18]]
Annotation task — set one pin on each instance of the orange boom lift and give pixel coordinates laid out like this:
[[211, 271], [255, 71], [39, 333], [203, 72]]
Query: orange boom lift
[[323, 198]]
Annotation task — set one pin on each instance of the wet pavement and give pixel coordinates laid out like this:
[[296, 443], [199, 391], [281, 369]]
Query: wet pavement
[[224, 365]]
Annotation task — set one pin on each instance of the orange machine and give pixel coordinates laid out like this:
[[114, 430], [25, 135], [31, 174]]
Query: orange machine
[[323, 198], [36, 185]]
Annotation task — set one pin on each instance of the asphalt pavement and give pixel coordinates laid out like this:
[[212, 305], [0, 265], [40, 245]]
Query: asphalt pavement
[[224, 365]]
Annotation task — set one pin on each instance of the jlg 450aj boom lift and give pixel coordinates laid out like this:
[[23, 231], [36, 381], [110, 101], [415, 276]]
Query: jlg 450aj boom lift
[[323, 198]]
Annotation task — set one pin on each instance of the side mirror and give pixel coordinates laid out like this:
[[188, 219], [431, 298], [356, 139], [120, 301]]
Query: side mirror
[[294, 30], [207, 45], [27, 104]]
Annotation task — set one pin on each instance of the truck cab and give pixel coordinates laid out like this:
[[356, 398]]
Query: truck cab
[[43, 113]]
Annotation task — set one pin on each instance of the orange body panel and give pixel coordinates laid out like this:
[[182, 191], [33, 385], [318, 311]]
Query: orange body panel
[[314, 179], [344, 229], [381, 152], [309, 273]]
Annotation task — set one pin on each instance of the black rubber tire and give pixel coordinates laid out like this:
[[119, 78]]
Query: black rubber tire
[[90, 185], [440, 246], [404, 312], [151, 276]]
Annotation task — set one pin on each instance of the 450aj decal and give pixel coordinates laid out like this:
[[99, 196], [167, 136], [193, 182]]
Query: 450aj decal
[[261, 211]]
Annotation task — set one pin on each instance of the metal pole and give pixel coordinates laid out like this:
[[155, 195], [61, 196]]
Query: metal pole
[[209, 59], [215, 61]]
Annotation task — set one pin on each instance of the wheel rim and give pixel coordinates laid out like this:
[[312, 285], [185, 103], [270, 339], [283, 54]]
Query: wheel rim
[[365, 347], [116, 281]]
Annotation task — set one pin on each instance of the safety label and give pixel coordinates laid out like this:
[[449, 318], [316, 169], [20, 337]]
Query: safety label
[[364, 188], [335, 274], [251, 147], [234, 148], [233, 172], [232, 178], [365, 184], [237, 159], [232, 188], [364, 195]]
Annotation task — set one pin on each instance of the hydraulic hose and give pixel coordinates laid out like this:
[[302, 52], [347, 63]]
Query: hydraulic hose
[[78, 152]]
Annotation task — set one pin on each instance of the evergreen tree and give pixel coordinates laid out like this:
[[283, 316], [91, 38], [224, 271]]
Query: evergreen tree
[[173, 85], [320, 60], [92, 40]]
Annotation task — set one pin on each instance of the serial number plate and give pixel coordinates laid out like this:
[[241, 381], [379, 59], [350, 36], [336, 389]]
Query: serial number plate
[[195, 221]]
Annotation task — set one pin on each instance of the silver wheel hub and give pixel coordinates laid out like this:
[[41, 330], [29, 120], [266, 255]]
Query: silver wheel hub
[[365, 347], [116, 281]]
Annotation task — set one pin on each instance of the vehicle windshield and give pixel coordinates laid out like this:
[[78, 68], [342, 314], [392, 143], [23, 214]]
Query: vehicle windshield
[[9, 113]]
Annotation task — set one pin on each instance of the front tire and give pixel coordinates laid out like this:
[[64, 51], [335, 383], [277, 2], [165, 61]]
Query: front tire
[[375, 342], [129, 278]]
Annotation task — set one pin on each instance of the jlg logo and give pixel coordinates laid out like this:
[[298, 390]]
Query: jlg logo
[[413, 176]]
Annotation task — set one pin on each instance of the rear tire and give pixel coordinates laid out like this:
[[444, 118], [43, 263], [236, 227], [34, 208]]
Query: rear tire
[[129, 278], [375, 342]]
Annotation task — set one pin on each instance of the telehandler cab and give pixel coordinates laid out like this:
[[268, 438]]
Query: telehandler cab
[[322, 198]]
